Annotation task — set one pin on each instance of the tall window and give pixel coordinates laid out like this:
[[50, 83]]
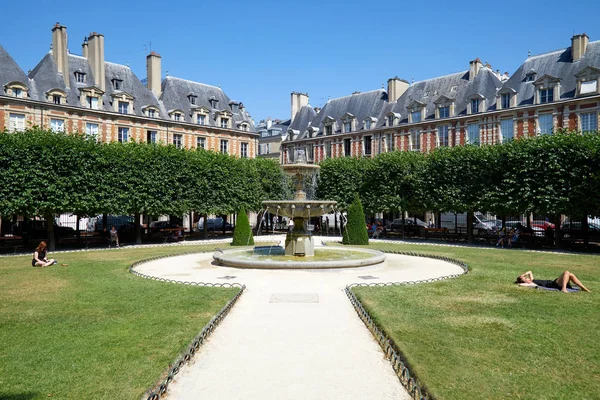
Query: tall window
[[474, 106], [244, 150], [473, 133], [17, 122], [223, 146], [505, 100], [57, 125], [17, 92], [91, 129], [368, 124], [545, 124], [201, 143], [92, 102], [176, 117], [224, 122], [391, 146], [507, 129], [117, 84], [151, 136], [444, 112], [390, 120], [328, 146], [415, 116], [80, 77], [367, 144], [200, 119], [123, 135], [328, 129], [546, 95], [152, 113], [589, 122], [347, 147], [442, 136], [56, 99], [178, 140], [415, 139], [124, 107], [347, 127]]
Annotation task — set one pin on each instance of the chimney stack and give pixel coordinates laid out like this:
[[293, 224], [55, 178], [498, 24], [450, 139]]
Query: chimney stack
[[153, 73], [578, 45], [299, 100], [396, 88], [60, 51], [84, 48], [96, 59], [474, 67]]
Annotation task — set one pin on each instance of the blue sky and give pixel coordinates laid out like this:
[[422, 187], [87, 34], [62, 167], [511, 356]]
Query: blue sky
[[260, 51]]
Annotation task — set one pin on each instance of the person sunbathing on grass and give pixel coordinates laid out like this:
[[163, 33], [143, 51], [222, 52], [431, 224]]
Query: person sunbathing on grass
[[561, 283]]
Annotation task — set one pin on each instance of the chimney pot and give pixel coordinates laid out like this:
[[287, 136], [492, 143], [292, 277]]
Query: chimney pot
[[578, 46], [153, 73]]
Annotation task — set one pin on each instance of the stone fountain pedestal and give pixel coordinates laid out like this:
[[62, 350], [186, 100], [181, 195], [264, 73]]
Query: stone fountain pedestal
[[299, 241]]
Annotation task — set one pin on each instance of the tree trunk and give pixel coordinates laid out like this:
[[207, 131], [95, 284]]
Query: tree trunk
[[403, 225], [138, 228], [557, 232], [470, 238], [585, 231], [105, 222], [205, 226], [77, 230], [335, 227], [50, 231]]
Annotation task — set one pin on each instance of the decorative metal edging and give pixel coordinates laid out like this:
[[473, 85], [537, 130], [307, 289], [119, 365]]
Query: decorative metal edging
[[391, 350], [160, 389]]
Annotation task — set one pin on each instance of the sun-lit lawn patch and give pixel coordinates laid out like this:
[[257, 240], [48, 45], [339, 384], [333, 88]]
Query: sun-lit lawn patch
[[481, 336], [92, 330]]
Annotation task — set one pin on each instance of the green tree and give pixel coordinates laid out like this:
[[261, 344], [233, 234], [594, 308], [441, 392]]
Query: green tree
[[356, 231], [340, 179], [242, 234]]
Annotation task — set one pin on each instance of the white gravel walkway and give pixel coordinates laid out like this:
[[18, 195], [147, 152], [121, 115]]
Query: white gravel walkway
[[292, 334]]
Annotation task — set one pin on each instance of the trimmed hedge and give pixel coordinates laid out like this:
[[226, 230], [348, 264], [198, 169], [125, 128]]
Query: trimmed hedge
[[356, 229], [242, 234]]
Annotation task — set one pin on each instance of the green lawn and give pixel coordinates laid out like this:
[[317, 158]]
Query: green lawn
[[92, 330], [482, 337]]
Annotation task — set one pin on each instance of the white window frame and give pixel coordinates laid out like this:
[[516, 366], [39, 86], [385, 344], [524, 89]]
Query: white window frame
[[178, 140], [588, 122], [17, 122], [473, 129], [440, 140], [542, 124], [415, 139], [201, 119], [244, 150], [123, 106], [92, 102], [224, 122], [92, 129], [57, 125], [503, 127], [201, 142], [224, 146], [367, 139], [151, 136], [122, 134]]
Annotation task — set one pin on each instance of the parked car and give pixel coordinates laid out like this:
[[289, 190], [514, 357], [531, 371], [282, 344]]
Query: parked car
[[156, 226], [537, 231], [542, 224], [214, 224], [576, 227], [411, 226], [120, 222]]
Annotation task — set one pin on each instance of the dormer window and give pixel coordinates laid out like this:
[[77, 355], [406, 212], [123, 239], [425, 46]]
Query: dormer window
[[390, 120], [370, 123], [16, 89], [244, 127], [444, 112], [176, 116], [530, 76], [214, 103], [416, 111], [123, 107], [347, 127], [328, 129], [546, 95], [348, 122], [122, 103], [224, 122], [200, 115], [56, 96], [192, 99], [588, 81], [90, 97], [117, 84], [415, 116], [328, 124], [505, 100], [150, 111], [201, 119], [80, 77], [475, 103], [92, 102], [235, 106]]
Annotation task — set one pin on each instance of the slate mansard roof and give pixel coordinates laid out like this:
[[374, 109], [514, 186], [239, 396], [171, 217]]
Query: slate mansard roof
[[456, 87], [10, 71], [557, 64], [175, 91]]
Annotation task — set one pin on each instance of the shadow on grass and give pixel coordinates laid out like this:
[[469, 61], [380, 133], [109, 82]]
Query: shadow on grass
[[19, 396]]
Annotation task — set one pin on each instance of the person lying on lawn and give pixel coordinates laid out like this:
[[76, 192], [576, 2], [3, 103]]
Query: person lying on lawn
[[561, 283]]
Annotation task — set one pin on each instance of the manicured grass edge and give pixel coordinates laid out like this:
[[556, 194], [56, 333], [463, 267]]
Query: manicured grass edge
[[401, 365], [160, 388]]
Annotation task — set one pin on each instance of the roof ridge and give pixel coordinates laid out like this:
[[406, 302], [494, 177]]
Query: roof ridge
[[356, 94], [197, 83], [595, 42], [440, 77]]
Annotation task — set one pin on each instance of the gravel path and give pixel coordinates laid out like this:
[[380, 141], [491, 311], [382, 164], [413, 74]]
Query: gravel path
[[292, 334]]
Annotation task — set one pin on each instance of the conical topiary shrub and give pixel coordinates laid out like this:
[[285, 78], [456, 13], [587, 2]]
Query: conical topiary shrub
[[242, 234], [356, 229]]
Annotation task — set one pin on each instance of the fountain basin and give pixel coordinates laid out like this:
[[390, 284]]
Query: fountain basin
[[300, 208], [273, 257]]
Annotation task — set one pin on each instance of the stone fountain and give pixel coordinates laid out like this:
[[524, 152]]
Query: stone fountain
[[299, 250], [299, 240]]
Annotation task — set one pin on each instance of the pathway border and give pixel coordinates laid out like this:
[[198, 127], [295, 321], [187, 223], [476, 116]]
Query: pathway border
[[160, 389], [392, 352]]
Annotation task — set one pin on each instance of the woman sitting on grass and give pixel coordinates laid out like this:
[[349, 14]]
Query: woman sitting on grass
[[561, 283], [39, 256]]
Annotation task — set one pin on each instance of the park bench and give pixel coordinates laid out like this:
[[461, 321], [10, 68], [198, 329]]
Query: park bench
[[11, 242]]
